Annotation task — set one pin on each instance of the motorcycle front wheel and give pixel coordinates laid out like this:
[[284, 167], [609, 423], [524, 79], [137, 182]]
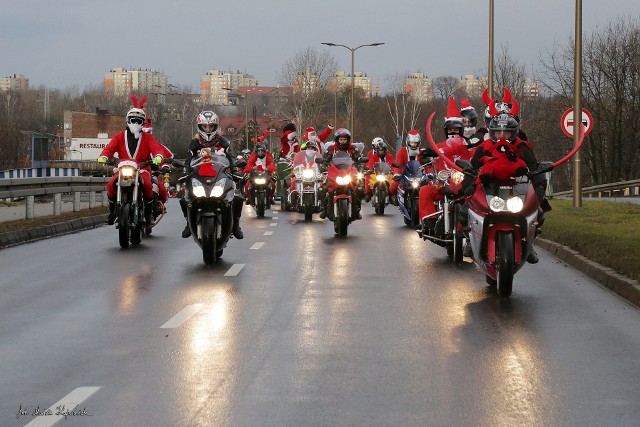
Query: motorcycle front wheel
[[414, 213], [504, 263], [308, 206], [457, 236], [124, 231], [342, 219], [260, 204], [209, 250], [380, 205]]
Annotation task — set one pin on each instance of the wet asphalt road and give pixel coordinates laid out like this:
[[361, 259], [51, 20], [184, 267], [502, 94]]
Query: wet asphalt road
[[297, 327]]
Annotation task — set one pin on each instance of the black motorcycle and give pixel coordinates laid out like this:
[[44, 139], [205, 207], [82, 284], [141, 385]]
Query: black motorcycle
[[260, 191], [209, 192]]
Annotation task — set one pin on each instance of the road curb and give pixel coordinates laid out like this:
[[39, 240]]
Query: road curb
[[622, 285], [12, 238]]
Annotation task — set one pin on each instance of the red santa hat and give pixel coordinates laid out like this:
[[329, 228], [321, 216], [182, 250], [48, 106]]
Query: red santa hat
[[465, 105], [453, 112], [308, 133]]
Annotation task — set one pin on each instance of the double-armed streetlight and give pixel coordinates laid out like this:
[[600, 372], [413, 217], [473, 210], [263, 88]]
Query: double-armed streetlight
[[353, 77]]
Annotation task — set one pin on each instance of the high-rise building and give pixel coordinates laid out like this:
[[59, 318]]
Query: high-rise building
[[342, 81], [121, 82], [419, 86], [15, 82], [473, 86], [215, 85], [531, 88]]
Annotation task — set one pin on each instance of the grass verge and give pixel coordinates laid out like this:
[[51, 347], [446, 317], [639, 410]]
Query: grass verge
[[41, 221], [605, 232]]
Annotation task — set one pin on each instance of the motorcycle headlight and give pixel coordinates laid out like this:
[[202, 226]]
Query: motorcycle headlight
[[343, 180], [260, 181], [360, 175], [217, 191], [197, 188], [443, 176], [457, 177], [308, 174], [415, 183], [515, 204], [496, 204], [127, 172], [299, 175], [381, 177]]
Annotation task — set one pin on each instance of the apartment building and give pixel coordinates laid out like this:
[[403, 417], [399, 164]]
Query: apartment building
[[122, 82], [215, 85], [342, 81], [419, 86], [15, 82]]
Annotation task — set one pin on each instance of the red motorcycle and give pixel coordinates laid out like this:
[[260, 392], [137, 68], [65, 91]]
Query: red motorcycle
[[342, 191], [503, 219]]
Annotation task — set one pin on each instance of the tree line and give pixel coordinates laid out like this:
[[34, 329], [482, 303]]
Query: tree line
[[611, 86]]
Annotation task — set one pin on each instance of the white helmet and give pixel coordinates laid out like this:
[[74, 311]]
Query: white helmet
[[135, 119], [377, 141], [208, 124]]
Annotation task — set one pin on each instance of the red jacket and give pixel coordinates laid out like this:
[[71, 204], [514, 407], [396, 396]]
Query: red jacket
[[288, 146], [375, 158], [253, 160], [402, 158], [146, 149]]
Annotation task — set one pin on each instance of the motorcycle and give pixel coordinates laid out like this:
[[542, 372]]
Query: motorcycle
[[260, 191], [341, 183], [209, 191], [283, 183], [448, 229], [307, 178], [412, 178], [130, 202], [380, 179], [503, 219]]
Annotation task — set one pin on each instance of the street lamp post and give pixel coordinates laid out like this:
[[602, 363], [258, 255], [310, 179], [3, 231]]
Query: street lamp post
[[353, 77], [490, 72]]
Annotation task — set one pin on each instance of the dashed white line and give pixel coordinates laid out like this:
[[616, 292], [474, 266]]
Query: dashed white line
[[234, 270], [257, 245], [273, 224], [275, 218], [268, 233], [66, 404], [182, 316]]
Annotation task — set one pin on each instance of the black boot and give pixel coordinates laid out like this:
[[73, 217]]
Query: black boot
[[148, 213], [532, 258], [187, 231], [112, 213], [428, 225], [237, 231]]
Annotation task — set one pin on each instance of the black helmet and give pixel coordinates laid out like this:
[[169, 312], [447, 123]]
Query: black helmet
[[342, 132], [503, 126], [381, 149], [453, 123], [261, 150]]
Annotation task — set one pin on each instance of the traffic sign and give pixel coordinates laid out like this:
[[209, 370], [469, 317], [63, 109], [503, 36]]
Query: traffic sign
[[567, 122]]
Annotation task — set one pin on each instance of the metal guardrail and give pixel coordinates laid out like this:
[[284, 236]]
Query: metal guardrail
[[622, 188], [30, 188]]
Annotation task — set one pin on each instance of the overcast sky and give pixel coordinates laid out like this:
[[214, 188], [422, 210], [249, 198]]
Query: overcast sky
[[65, 43]]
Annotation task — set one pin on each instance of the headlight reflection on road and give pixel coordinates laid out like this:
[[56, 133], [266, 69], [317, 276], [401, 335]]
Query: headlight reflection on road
[[209, 325], [130, 289]]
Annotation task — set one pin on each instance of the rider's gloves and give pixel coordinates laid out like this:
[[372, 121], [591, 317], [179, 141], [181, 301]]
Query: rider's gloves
[[102, 160], [397, 177], [157, 159], [246, 176]]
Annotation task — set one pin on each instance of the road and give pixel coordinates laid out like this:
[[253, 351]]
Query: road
[[297, 327]]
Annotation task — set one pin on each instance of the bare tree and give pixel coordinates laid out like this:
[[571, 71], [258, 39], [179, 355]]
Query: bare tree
[[308, 72], [404, 109], [611, 76], [444, 87]]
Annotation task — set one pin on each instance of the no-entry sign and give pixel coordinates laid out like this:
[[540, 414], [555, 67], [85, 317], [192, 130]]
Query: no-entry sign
[[567, 122]]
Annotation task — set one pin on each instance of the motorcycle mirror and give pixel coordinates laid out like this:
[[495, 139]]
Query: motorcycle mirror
[[395, 165]]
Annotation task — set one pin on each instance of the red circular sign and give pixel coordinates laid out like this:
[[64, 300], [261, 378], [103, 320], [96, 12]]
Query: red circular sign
[[567, 122]]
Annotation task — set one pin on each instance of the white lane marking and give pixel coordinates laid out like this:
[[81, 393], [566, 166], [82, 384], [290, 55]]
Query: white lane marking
[[66, 404], [182, 316], [268, 233], [257, 245], [273, 224], [234, 270], [275, 218]]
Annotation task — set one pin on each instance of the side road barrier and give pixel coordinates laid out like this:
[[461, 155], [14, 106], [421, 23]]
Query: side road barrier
[[621, 189], [30, 188]]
